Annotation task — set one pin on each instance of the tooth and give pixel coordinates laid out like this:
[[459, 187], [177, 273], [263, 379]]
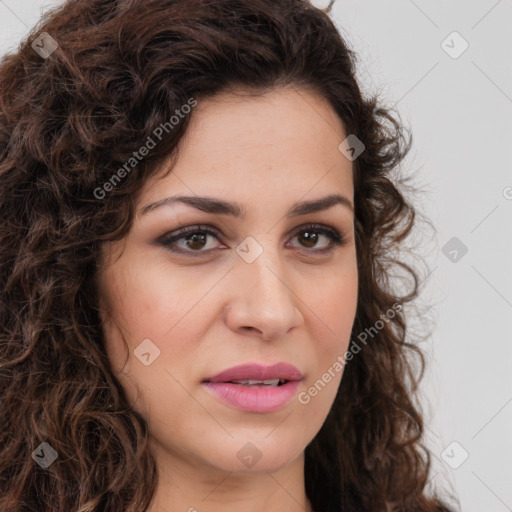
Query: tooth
[[251, 382]]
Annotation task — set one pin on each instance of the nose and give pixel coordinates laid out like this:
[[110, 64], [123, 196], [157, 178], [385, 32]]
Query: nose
[[262, 298]]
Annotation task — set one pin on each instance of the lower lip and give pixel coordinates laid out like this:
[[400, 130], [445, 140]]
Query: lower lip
[[255, 398]]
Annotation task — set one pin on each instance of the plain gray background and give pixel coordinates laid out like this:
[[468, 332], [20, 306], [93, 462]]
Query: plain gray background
[[458, 106]]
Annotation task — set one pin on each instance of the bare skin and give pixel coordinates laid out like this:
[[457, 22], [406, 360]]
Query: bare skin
[[207, 309]]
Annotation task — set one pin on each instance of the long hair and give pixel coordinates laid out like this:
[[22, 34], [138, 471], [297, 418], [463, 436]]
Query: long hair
[[89, 86]]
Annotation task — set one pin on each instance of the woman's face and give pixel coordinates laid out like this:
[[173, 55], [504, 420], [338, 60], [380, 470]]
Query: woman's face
[[263, 289]]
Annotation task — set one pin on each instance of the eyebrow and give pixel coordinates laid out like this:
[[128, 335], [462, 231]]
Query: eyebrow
[[219, 206]]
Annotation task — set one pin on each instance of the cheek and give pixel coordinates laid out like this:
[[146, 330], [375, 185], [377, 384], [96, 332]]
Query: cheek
[[334, 306], [146, 302], [332, 314], [148, 313]]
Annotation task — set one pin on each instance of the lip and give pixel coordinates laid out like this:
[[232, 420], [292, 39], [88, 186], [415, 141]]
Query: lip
[[258, 399], [258, 372]]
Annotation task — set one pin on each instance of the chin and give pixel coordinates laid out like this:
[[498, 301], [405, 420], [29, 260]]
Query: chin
[[253, 456]]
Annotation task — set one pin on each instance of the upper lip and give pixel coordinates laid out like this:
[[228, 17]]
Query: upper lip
[[256, 371]]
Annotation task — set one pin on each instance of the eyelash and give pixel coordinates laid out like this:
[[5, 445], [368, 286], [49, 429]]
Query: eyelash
[[167, 240]]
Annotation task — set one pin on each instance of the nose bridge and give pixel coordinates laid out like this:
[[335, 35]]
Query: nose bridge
[[263, 267]]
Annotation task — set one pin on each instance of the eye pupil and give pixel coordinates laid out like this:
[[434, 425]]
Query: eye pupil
[[194, 238], [312, 237]]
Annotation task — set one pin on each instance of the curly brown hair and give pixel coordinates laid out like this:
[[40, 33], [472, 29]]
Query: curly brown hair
[[68, 121]]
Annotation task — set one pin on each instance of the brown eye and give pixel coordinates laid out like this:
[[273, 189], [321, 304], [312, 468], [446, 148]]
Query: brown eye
[[197, 240], [310, 236], [194, 239]]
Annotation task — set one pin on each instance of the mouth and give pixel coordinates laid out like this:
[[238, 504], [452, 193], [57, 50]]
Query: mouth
[[250, 383], [257, 374], [256, 388]]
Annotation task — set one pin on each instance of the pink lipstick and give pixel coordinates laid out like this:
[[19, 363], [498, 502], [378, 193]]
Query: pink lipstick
[[256, 388]]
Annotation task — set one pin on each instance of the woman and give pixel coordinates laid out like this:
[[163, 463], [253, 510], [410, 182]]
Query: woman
[[196, 307]]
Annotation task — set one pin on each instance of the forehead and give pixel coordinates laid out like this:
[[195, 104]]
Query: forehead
[[284, 141], [283, 117]]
